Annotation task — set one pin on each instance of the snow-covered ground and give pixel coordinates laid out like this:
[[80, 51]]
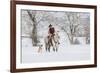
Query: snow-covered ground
[[66, 51]]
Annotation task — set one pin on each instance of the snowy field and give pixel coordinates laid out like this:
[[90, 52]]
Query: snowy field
[[66, 51], [64, 22]]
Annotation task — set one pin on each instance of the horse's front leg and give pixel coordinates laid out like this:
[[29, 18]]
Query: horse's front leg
[[49, 47], [53, 47]]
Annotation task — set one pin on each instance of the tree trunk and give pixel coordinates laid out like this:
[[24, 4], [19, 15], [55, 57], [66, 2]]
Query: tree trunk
[[34, 30], [34, 35], [72, 39]]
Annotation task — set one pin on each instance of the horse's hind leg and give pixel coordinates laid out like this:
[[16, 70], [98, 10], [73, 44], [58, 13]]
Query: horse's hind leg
[[49, 48]]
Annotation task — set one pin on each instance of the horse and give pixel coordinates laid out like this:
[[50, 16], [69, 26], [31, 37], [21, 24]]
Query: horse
[[52, 42]]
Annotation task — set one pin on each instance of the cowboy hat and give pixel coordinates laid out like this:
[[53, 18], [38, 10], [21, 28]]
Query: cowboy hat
[[50, 25]]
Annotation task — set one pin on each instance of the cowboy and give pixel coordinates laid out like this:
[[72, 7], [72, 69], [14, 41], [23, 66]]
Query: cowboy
[[51, 30], [51, 34]]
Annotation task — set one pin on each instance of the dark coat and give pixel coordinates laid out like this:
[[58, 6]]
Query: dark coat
[[51, 30]]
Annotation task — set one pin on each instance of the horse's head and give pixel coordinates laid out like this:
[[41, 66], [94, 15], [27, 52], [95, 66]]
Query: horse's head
[[57, 35]]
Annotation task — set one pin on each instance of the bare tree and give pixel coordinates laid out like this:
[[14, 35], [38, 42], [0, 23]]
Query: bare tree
[[73, 22], [36, 17], [34, 30]]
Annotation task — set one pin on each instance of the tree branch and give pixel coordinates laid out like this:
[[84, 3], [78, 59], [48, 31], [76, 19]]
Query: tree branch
[[30, 15]]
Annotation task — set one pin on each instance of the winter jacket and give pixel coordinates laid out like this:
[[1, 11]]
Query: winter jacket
[[51, 30]]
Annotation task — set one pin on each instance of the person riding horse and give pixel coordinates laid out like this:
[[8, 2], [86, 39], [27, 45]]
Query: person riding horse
[[51, 33], [52, 39]]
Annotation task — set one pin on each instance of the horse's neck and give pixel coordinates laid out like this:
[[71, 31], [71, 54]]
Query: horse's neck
[[56, 35]]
